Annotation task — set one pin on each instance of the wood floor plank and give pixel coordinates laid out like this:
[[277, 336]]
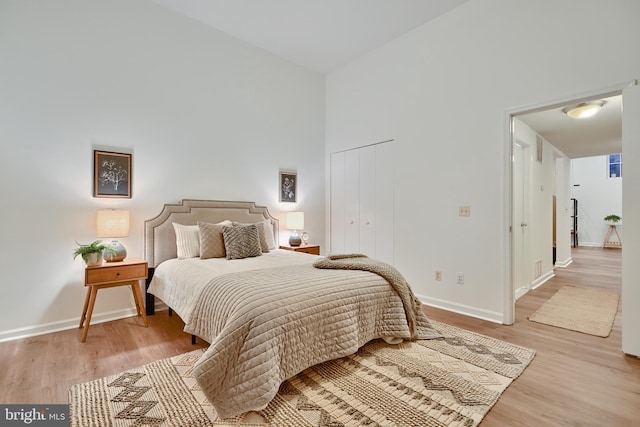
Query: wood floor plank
[[574, 380]]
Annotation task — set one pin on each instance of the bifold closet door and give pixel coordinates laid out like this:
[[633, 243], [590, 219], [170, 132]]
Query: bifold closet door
[[367, 193], [362, 204], [352, 201]]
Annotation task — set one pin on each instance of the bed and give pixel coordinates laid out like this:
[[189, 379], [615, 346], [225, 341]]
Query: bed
[[268, 316]]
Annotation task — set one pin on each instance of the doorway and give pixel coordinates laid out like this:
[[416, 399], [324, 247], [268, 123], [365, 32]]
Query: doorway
[[520, 234]]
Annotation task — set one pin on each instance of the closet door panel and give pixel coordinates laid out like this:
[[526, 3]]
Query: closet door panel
[[337, 202], [367, 181], [352, 201]]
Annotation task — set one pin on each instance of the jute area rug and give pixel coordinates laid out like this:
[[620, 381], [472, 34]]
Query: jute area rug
[[588, 310], [451, 381]]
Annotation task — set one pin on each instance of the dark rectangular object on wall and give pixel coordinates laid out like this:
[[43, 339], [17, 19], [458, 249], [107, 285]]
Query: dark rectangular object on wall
[[111, 174]]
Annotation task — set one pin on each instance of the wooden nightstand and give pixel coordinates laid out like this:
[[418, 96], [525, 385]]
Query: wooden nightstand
[[109, 275], [308, 249]]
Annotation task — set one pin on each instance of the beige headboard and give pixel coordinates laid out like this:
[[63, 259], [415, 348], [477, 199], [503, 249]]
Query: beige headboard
[[160, 238]]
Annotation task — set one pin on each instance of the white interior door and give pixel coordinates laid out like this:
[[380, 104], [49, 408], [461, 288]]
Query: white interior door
[[520, 218]]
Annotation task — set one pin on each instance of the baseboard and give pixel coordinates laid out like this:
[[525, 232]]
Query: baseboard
[[565, 263], [491, 316], [542, 279], [591, 244], [64, 325], [160, 306]]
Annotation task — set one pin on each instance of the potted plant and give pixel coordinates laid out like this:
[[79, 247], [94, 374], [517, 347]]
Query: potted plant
[[92, 253], [612, 219]]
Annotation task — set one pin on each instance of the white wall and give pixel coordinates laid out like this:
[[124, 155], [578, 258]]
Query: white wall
[[205, 116], [442, 92], [597, 195], [631, 217]]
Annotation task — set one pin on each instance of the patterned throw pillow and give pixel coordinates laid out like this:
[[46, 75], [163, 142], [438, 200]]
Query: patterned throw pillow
[[211, 240], [242, 241], [265, 232]]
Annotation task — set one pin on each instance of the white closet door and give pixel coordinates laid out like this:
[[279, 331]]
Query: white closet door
[[337, 203], [352, 201], [384, 203], [367, 181]]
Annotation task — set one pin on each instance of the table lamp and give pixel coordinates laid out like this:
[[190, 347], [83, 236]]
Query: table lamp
[[295, 222], [112, 223]]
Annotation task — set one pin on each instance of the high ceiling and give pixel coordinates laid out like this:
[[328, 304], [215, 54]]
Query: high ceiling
[[318, 34], [323, 35]]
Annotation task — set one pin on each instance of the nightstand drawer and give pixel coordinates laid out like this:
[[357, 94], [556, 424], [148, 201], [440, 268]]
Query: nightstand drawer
[[115, 274], [307, 249], [315, 250]]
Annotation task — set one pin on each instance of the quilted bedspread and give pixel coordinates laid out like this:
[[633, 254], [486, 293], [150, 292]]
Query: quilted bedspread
[[265, 326]]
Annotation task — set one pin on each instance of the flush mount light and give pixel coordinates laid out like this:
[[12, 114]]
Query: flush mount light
[[584, 110]]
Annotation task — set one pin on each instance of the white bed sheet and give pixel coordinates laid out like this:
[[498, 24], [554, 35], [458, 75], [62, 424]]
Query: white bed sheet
[[178, 282]]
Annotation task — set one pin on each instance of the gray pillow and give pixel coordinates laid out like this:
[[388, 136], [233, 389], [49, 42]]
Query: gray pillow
[[241, 241], [265, 232], [211, 241]]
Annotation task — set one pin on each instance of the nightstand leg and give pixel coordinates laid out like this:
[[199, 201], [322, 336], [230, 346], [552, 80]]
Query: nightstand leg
[[84, 309], [92, 301], [137, 297]]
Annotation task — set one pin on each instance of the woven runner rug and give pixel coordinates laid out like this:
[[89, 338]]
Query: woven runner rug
[[451, 381], [588, 310]]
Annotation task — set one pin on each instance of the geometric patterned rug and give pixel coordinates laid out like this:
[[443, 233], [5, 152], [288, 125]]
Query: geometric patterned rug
[[450, 381], [588, 310]]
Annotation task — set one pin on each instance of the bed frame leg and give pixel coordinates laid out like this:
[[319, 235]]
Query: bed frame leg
[[193, 339], [170, 312]]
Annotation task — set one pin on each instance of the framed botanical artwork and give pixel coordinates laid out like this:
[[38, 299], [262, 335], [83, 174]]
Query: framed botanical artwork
[[111, 174], [288, 186]]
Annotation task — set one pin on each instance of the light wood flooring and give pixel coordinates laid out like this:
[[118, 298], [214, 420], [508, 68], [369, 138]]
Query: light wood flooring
[[574, 380]]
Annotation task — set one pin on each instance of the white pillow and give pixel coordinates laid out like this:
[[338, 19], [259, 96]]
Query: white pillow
[[268, 234], [187, 240]]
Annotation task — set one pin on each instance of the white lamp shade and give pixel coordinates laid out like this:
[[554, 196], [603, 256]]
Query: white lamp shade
[[295, 220], [112, 223]]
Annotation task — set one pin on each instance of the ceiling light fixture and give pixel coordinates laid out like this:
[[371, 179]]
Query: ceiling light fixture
[[584, 110]]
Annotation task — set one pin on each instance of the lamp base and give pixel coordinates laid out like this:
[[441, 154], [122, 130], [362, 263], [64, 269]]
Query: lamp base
[[294, 239], [120, 252]]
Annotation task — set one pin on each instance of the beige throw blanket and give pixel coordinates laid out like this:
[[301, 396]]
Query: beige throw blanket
[[268, 325], [412, 306]]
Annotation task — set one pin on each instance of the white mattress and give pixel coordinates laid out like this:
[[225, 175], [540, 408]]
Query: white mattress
[[178, 282]]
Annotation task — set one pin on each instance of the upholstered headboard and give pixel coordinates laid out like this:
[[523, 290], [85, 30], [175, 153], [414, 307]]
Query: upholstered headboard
[[159, 235]]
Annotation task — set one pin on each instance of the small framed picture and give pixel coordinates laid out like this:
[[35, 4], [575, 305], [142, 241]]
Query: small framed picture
[[288, 186], [111, 174]]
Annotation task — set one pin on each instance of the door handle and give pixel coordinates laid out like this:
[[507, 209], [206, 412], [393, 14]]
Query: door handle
[[523, 224]]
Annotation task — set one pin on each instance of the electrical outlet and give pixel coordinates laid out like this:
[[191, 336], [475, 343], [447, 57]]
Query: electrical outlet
[[464, 211], [438, 276], [460, 280]]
